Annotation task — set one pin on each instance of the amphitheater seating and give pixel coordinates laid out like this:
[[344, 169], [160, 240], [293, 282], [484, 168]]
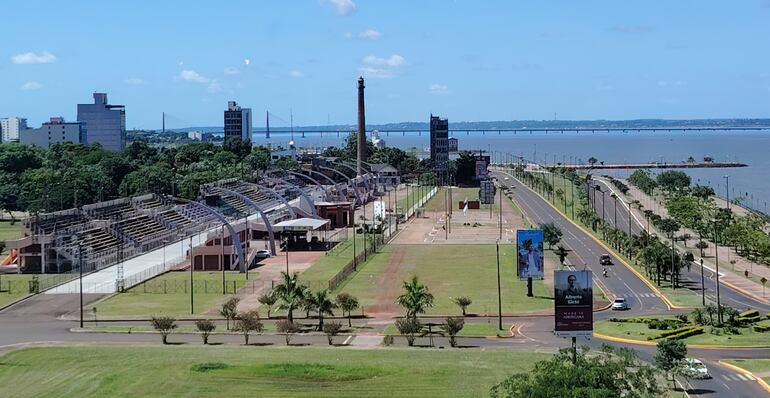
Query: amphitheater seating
[[98, 240], [114, 212], [137, 228], [49, 224]]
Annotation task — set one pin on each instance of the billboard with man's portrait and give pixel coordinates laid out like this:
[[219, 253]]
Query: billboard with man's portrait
[[529, 253], [573, 298]]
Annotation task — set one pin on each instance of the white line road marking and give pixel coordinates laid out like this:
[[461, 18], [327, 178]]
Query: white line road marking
[[742, 377], [347, 340]]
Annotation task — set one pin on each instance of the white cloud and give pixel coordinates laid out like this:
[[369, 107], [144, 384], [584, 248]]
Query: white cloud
[[296, 74], [438, 89], [33, 58], [229, 71], [370, 34], [393, 61], [195, 77], [31, 86], [134, 81], [247, 62], [379, 73], [343, 7], [382, 68]]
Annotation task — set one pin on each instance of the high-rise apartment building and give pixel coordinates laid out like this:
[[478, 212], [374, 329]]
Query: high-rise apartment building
[[53, 131], [10, 128], [237, 121], [104, 124], [439, 145]]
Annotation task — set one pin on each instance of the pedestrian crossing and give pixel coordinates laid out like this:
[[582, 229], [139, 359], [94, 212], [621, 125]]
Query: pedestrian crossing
[[637, 295], [737, 377]]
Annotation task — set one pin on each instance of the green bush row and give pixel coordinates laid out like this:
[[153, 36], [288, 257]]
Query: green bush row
[[748, 319], [761, 328], [687, 333], [675, 332], [749, 313]]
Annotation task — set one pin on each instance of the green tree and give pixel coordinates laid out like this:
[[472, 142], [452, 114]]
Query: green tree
[[323, 305], [205, 327], [228, 309], [290, 293], [466, 168], [248, 322], [612, 373], [551, 233], [238, 147], [451, 327], [672, 180], [409, 327], [562, 253], [670, 356], [164, 325], [463, 302], [347, 303], [268, 300], [332, 329], [415, 299], [287, 328]]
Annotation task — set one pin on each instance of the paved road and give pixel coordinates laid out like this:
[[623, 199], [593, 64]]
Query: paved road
[[690, 279], [624, 283]]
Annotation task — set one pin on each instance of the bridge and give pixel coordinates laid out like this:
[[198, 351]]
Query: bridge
[[555, 130], [654, 165]]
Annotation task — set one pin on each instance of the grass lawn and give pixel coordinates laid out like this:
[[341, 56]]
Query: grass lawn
[[449, 271], [318, 275], [308, 325], [198, 371], [753, 365], [9, 232], [413, 196], [470, 329], [640, 331], [148, 298], [15, 286]]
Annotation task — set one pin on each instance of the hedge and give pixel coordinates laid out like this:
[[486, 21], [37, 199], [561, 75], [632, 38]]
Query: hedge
[[748, 314], [748, 319], [761, 328], [687, 333], [679, 333]]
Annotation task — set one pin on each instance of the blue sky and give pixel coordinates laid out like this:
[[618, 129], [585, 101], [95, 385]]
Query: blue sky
[[465, 60]]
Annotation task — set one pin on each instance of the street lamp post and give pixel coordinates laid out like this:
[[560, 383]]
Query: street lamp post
[[222, 261], [499, 294], [727, 189], [702, 286], [192, 266], [80, 266], [716, 261]]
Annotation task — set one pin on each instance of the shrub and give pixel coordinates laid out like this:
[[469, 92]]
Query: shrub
[[248, 322], [288, 328], [205, 327], [696, 330], [452, 326], [463, 302], [164, 325], [332, 329], [409, 327], [387, 340], [761, 328]]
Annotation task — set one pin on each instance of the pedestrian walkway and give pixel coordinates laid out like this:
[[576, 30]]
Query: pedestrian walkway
[[366, 340]]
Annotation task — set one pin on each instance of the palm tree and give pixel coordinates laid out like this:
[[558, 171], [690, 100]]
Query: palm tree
[[323, 304], [415, 299], [347, 303], [290, 293]]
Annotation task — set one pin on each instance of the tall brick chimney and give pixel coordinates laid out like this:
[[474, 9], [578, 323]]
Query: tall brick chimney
[[361, 153]]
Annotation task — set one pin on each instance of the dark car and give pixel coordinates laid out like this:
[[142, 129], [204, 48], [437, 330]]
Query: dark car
[[605, 259]]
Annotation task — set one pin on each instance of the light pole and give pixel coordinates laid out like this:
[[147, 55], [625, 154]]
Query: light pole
[[727, 189], [702, 286], [222, 261], [499, 294], [615, 210], [192, 266], [716, 261], [80, 266], [287, 255]]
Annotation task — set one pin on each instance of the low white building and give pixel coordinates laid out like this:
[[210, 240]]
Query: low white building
[[55, 130], [10, 128]]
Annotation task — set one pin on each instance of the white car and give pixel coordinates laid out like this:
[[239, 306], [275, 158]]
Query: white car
[[263, 253], [695, 369], [620, 304]]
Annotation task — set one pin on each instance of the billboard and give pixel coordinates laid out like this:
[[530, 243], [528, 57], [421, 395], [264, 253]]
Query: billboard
[[529, 253], [573, 301], [379, 210]]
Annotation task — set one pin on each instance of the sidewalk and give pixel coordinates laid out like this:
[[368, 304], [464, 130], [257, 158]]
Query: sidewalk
[[735, 278]]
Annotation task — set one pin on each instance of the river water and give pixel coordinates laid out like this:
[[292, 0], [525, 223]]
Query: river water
[[749, 147]]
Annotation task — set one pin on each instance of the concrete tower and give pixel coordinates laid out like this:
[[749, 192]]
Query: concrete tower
[[361, 153]]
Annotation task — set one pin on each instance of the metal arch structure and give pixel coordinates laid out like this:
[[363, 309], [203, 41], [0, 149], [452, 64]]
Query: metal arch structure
[[366, 184], [335, 184], [279, 182], [376, 174], [313, 180], [236, 239], [350, 181], [274, 194], [251, 203]]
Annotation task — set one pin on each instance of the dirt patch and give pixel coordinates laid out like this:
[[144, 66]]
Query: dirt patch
[[388, 286]]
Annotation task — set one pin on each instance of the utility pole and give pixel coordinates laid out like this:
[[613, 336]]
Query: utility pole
[[716, 260], [702, 286], [222, 261], [499, 291], [80, 265], [287, 255], [500, 221], [192, 266]]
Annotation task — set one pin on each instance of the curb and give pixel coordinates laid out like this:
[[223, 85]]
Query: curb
[[736, 368], [649, 284], [697, 346]]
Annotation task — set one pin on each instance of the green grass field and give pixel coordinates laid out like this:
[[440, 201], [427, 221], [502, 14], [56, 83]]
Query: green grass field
[[450, 271], [15, 286], [318, 275], [9, 231], [148, 298], [753, 365], [413, 196], [640, 331], [198, 371]]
